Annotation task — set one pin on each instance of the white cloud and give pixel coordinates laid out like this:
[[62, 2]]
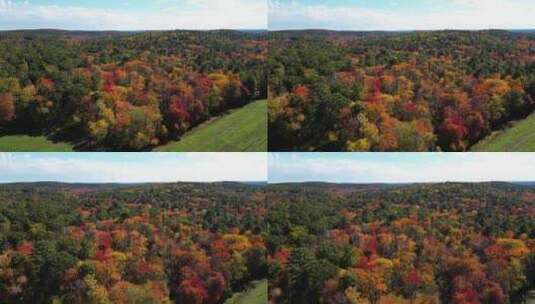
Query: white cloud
[[136, 167], [279, 167], [465, 14], [196, 14], [403, 167]]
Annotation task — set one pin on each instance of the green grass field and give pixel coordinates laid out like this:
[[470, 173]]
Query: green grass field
[[25, 143], [243, 130], [519, 138], [256, 295]]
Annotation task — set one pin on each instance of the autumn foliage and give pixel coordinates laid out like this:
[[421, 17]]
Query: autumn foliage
[[175, 243], [420, 91], [125, 91], [434, 243]]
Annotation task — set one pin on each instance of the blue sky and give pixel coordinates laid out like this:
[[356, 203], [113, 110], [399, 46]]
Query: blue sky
[[132, 167], [400, 167], [401, 14], [133, 14]]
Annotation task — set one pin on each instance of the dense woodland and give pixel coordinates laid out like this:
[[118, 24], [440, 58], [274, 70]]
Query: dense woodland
[[405, 91], [157, 243], [430, 243], [317, 243], [125, 90]]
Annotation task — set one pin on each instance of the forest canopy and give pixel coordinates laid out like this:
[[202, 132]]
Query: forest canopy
[[125, 90], [149, 243], [202, 243], [396, 91], [419, 243]]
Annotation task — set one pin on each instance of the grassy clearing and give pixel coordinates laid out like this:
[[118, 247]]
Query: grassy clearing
[[519, 138], [243, 130], [258, 294], [25, 143]]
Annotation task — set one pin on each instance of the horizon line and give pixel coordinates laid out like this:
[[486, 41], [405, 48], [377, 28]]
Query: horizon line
[[400, 30], [404, 183], [131, 183], [133, 30], [273, 183], [266, 30]]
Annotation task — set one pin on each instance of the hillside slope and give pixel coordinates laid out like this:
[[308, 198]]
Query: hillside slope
[[243, 130], [519, 138]]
